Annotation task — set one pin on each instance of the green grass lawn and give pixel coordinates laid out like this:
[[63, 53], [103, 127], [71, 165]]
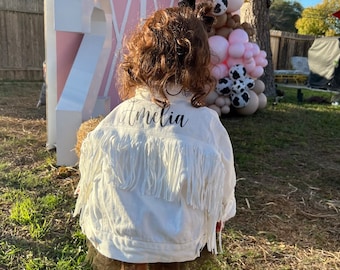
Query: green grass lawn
[[288, 190]]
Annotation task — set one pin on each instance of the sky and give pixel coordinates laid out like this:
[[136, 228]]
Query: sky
[[309, 3]]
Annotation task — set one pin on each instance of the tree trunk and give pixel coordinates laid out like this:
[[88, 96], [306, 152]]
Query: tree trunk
[[256, 12]]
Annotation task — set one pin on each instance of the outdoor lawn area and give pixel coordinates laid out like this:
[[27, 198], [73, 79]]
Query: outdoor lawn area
[[287, 158]]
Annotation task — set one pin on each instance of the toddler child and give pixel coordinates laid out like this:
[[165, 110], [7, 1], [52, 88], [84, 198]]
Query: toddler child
[[157, 173]]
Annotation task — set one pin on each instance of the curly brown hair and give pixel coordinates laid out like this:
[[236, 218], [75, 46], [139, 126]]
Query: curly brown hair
[[171, 47]]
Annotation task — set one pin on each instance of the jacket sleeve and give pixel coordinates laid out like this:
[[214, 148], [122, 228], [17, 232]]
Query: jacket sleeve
[[223, 143], [89, 168]]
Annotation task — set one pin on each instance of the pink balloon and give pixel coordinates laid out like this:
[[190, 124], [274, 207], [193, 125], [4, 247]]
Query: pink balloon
[[257, 72], [255, 49], [238, 36], [248, 54], [249, 60], [261, 61], [218, 49], [231, 61], [250, 66], [248, 46], [219, 71], [236, 50], [263, 54], [265, 63]]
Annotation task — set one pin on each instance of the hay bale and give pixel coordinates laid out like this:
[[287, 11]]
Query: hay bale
[[84, 129]]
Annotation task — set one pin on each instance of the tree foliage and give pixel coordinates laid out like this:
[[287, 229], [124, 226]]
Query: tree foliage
[[319, 20], [283, 14]]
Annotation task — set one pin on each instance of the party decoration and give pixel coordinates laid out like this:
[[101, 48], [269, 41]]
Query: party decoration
[[262, 101], [234, 5], [221, 20], [218, 49], [240, 100], [219, 71], [211, 97], [224, 86], [236, 62], [241, 86], [259, 87], [252, 106], [220, 7]]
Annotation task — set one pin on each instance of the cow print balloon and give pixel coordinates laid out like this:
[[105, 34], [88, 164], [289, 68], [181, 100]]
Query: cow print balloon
[[220, 7], [237, 72], [224, 86], [240, 100]]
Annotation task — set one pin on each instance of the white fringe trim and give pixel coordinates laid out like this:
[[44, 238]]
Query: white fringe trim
[[169, 167]]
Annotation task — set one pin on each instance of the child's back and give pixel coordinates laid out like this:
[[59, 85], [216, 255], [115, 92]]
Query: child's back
[[157, 173]]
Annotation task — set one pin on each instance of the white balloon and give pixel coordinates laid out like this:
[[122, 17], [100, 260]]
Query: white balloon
[[234, 5]]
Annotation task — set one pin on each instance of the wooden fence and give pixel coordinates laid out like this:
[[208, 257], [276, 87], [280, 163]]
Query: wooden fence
[[284, 45], [22, 44]]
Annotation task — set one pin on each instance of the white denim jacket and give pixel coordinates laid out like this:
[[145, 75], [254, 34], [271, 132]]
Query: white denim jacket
[[154, 182]]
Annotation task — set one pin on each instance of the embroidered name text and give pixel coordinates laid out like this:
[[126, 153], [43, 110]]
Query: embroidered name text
[[163, 117]]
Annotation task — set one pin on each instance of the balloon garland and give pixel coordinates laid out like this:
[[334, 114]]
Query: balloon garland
[[235, 62]]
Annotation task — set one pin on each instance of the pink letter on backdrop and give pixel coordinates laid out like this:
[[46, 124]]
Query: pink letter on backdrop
[[83, 44]]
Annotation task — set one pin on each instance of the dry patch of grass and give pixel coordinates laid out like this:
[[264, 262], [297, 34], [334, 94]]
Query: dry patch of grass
[[288, 191]]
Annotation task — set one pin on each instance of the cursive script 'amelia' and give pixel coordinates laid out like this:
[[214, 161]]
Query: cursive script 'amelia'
[[163, 117]]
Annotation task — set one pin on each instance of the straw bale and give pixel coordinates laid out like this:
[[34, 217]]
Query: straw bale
[[84, 129]]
